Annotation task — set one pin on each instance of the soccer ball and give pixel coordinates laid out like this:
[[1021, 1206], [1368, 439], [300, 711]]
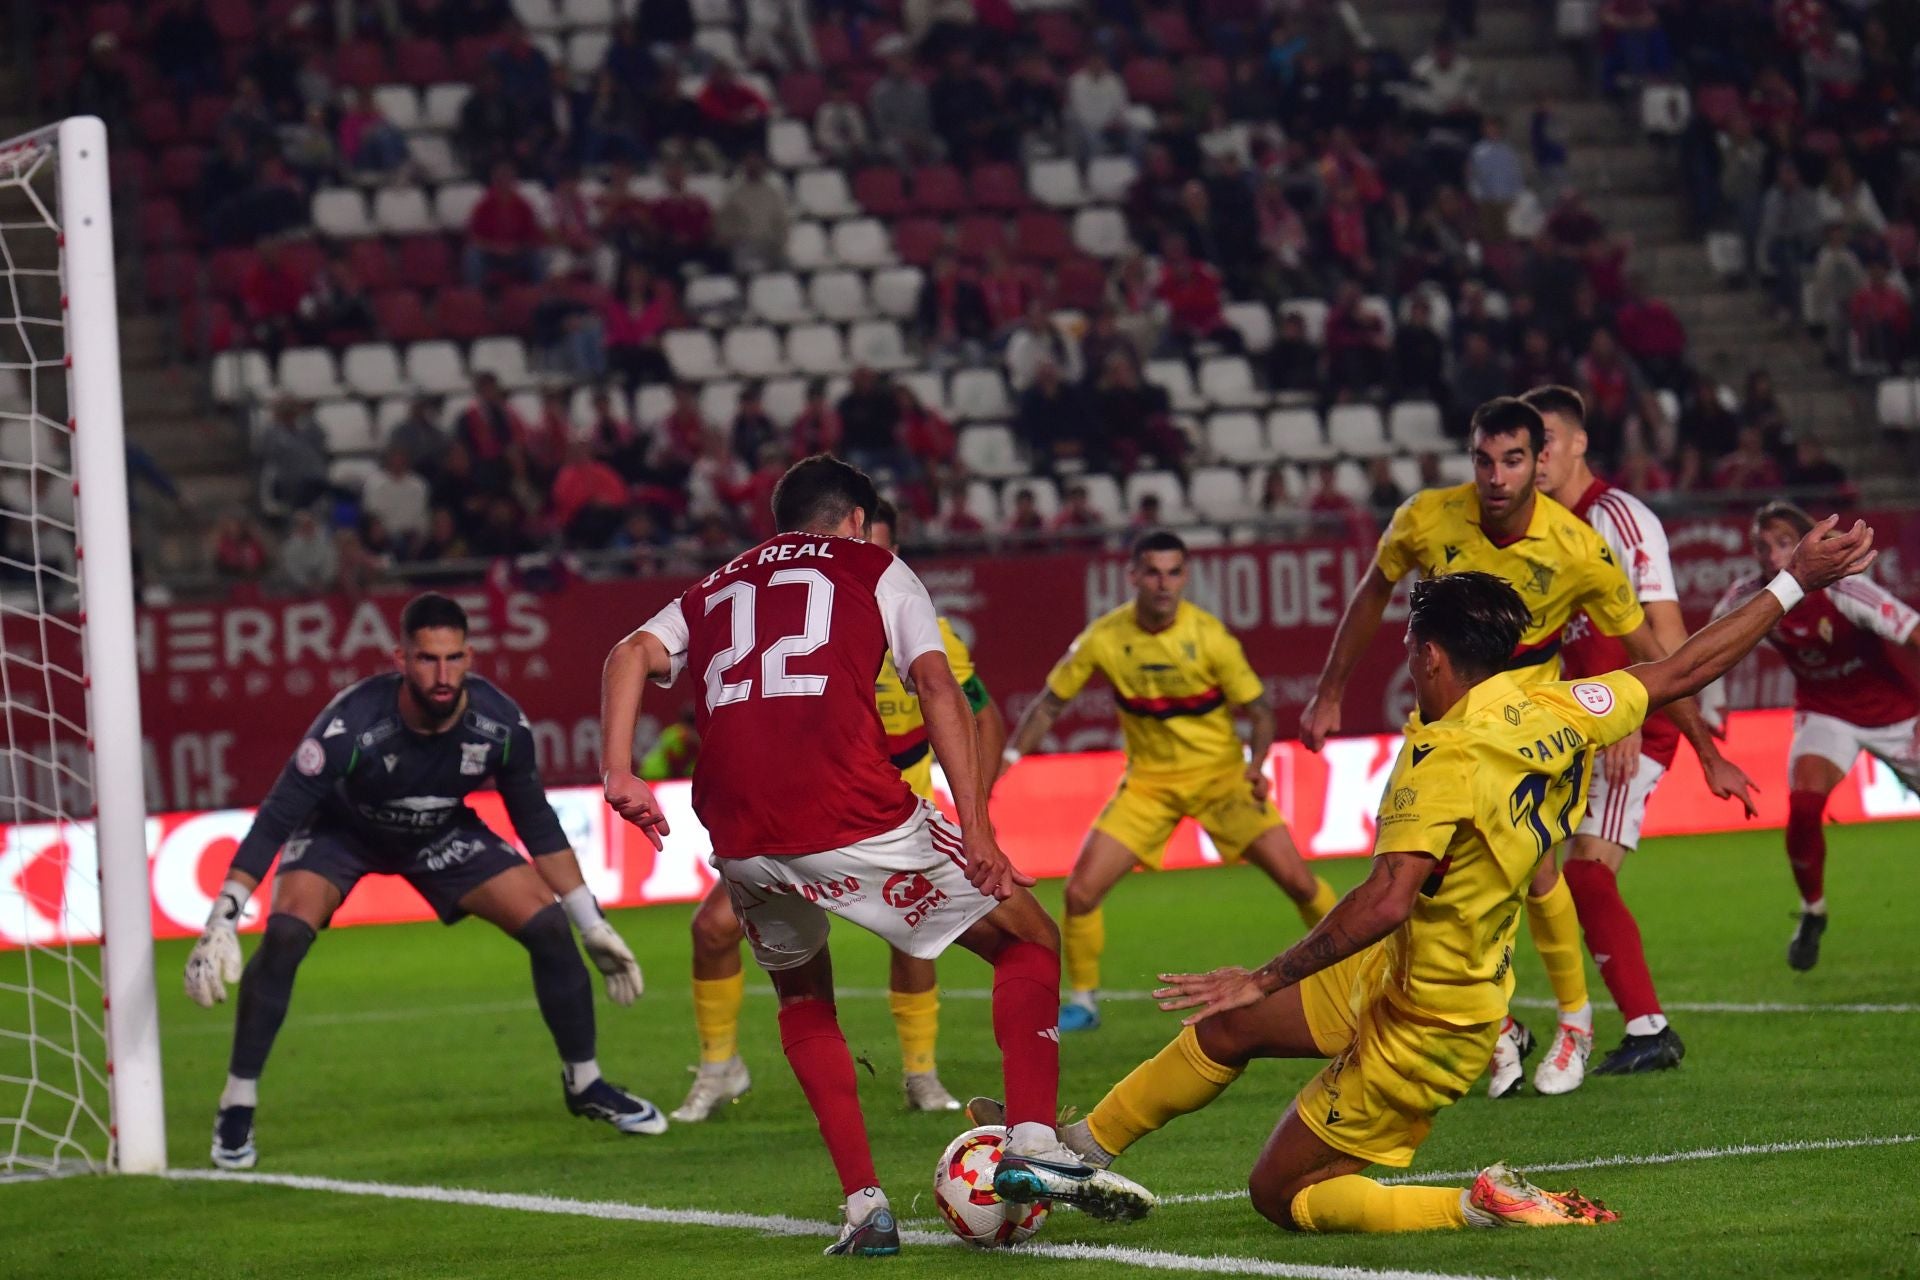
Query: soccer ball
[[963, 1187]]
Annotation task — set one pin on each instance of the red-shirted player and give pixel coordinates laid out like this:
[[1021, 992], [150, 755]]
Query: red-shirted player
[[1849, 696], [809, 819]]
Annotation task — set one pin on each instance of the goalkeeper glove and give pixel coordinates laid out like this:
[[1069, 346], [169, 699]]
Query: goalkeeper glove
[[608, 950], [215, 960]]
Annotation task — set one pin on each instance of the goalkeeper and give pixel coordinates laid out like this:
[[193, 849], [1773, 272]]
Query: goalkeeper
[[378, 787]]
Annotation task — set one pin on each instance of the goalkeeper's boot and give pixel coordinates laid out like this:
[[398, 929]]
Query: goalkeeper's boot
[[871, 1234], [1500, 1197], [714, 1086], [233, 1139], [1803, 952], [1080, 1012], [926, 1093], [1053, 1172], [1564, 1068], [603, 1101], [1636, 1054], [1506, 1074]]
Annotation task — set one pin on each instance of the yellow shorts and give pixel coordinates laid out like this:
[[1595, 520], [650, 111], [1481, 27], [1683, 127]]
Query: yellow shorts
[[1147, 807], [1392, 1069], [919, 776]]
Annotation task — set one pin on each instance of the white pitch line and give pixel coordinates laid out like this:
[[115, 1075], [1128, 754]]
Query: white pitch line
[[1608, 1162], [782, 1225]]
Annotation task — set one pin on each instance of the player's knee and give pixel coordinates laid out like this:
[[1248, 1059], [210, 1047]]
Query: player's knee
[[1225, 1038], [716, 930], [283, 945], [1272, 1196], [548, 938], [1081, 899]]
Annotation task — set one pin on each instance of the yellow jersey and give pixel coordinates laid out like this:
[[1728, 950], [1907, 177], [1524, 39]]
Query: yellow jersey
[[900, 716], [1175, 688], [1560, 566], [1486, 790]]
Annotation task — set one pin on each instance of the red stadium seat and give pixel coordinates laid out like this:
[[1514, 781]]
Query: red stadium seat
[[302, 258], [831, 43], [1150, 81], [916, 240], [209, 326], [180, 169], [161, 226], [980, 236], [1212, 72], [371, 265], [172, 276], [881, 191], [514, 308], [1717, 103], [461, 314], [425, 262], [204, 115], [1822, 142], [1042, 236], [422, 62], [1168, 29], [115, 18], [233, 19], [400, 316], [361, 64], [130, 168], [999, 187], [1080, 283], [1903, 243], [939, 190], [802, 92], [227, 271], [470, 56], [157, 120], [1060, 36], [860, 81]]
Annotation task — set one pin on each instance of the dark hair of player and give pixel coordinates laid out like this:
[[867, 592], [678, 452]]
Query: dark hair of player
[[1476, 618], [1504, 415], [1786, 513], [1156, 540], [431, 609], [1553, 398], [885, 513], [818, 493]]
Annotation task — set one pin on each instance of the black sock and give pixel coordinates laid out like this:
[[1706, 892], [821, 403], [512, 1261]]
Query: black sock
[[265, 989], [560, 982]]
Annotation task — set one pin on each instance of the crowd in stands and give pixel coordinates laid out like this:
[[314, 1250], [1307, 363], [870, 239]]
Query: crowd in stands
[[1354, 226]]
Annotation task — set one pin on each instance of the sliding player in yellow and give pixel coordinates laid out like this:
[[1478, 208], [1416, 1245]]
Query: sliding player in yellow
[[718, 981], [1501, 524], [1405, 982], [1178, 675]]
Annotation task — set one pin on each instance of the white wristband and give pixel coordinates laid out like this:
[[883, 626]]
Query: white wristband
[[581, 908], [1787, 590], [1010, 757], [229, 906]]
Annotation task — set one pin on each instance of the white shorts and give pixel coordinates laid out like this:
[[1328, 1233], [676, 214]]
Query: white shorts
[[1616, 814], [1831, 738], [908, 885]]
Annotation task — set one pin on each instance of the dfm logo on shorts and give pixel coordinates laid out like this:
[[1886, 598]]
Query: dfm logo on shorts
[[913, 895]]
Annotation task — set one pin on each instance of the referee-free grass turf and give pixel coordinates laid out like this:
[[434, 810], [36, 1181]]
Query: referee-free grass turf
[[414, 1055]]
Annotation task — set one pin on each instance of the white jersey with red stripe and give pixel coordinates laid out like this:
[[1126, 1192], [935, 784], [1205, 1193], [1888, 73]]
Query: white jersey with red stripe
[[1639, 543], [1835, 643]]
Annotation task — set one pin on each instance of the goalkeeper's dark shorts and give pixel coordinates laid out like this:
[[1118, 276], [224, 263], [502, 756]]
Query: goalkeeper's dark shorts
[[443, 870]]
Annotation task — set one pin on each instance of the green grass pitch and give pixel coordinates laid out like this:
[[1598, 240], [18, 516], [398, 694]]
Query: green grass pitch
[[413, 1055]]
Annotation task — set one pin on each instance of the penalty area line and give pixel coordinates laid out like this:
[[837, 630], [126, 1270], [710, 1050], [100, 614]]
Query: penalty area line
[[782, 1225]]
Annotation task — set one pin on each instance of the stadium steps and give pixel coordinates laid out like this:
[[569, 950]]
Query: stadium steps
[[1504, 29]]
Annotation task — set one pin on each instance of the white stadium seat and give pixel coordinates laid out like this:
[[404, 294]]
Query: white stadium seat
[[1238, 437], [1110, 178], [1406, 474], [1253, 322], [776, 298], [1101, 232], [1046, 496], [504, 358], [980, 395], [839, 295], [400, 104], [1056, 183], [347, 426], [1219, 494], [1173, 377], [816, 350], [342, 212], [1312, 312], [862, 242], [1296, 435], [784, 399], [823, 193], [790, 146], [990, 451], [896, 291], [1164, 485], [1456, 468], [983, 501], [1356, 431], [440, 108], [1104, 496], [590, 13], [453, 204], [240, 376], [435, 367], [1898, 403], [309, 373], [1350, 480], [879, 344], [402, 211], [586, 51], [433, 156], [1227, 382], [720, 402], [718, 43], [708, 293], [538, 15], [350, 474], [807, 247], [651, 404], [372, 369], [752, 351], [930, 389], [693, 355]]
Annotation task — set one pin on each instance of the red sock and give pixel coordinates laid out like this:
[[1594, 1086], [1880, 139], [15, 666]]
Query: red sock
[[810, 1034], [1026, 1019], [1807, 843], [1612, 936]]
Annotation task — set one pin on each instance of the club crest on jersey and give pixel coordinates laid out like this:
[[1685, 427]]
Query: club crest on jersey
[[1540, 580], [473, 758], [913, 896], [1826, 630]]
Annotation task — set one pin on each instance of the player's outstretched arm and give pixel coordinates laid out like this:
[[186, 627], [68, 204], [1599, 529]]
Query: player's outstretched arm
[[1822, 559], [1663, 633], [950, 730], [640, 657], [1321, 717], [1378, 906], [215, 959]]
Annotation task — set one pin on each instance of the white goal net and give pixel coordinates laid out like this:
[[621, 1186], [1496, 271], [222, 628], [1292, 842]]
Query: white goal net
[[79, 1048]]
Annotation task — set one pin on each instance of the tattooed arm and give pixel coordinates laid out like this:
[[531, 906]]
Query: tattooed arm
[[1375, 909]]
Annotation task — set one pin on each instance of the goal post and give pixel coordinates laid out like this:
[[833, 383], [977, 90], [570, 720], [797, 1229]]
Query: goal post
[[79, 1028]]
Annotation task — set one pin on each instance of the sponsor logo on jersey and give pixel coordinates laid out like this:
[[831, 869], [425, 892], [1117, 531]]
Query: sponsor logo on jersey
[[310, 757], [486, 727], [379, 733], [335, 728], [473, 758], [1597, 698], [913, 896], [1404, 798]]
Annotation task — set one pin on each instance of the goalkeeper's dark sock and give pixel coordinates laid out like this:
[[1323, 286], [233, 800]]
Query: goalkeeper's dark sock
[[817, 1051], [560, 982], [1026, 1003], [266, 987]]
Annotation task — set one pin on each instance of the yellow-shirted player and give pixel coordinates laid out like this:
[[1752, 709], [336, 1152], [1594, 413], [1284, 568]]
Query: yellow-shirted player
[[1404, 984], [1500, 524], [1178, 675], [718, 979]]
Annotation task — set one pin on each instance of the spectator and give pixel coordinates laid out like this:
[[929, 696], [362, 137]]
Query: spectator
[[491, 431], [668, 22], [817, 427], [334, 310], [956, 518], [1635, 45], [1495, 179], [1283, 239], [1347, 235], [1618, 397], [1549, 148], [551, 432], [491, 128], [1356, 342], [1040, 341], [732, 112], [1811, 469], [922, 431], [951, 320], [396, 496], [458, 488], [102, 88], [237, 549], [369, 144], [420, 437], [1419, 355], [293, 457], [752, 430], [1478, 376], [1051, 420], [1138, 418], [632, 323], [1134, 306], [1539, 362], [683, 434], [1761, 407], [185, 48], [1033, 101], [840, 130], [504, 236], [967, 113], [1293, 362], [752, 221], [1005, 291], [1652, 334], [589, 499], [1445, 91], [1146, 515], [684, 222], [1790, 226], [574, 230], [869, 423], [756, 495], [1882, 316], [1076, 519], [1096, 110], [1837, 276], [270, 296], [526, 76], [612, 436], [444, 540], [1749, 469], [1743, 178], [1845, 198], [778, 35], [1384, 494], [1336, 511], [1192, 293], [502, 531], [308, 562], [1640, 473], [1706, 423], [715, 484], [307, 148], [1023, 517], [275, 63], [902, 112]]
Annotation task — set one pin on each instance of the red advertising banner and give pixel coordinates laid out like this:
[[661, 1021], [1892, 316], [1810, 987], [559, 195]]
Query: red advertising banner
[[49, 875]]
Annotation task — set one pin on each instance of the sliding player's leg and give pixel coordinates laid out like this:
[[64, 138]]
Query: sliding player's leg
[[1105, 859], [1823, 749], [303, 902], [1554, 925], [490, 880], [913, 994], [719, 989]]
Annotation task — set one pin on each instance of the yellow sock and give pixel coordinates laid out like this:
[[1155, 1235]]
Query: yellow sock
[[1555, 927], [1179, 1079], [1317, 906], [1082, 939], [1354, 1203], [916, 1019], [716, 1015]]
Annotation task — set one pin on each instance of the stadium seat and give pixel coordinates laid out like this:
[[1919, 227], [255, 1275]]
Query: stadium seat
[[1111, 178], [241, 376], [896, 291], [1406, 474], [1100, 232], [400, 211], [861, 242], [1165, 485], [1350, 480], [158, 122], [1040, 235], [180, 169], [1168, 29], [1219, 494], [1046, 495], [1080, 283], [590, 13], [1456, 468], [651, 405], [1356, 431], [1226, 382], [839, 295], [433, 156], [400, 104], [917, 241], [790, 145], [171, 275], [1897, 404], [461, 314], [347, 426], [939, 191], [361, 64], [426, 262], [977, 238], [816, 350], [1056, 183], [1238, 437], [822, 193], [400, 315], [1253, 322], [878, 344], [990, 451], [435, 367], [162, 225], [720, 402], [802, 93], [234, 20], [504, 358], [372, 369], [309, 373], [370, 264], [694, 355], [1313, 315], [453, 204], [980, 395], [983, 502], [776, 298], [714, 13], [784, 399], [1173, 377], [930, 389], [709, 295], [441, 105], [807, 247], [1059, 32], [752, 351], [1150, 81], [1104, 496], [1414, 425], [351, 474], [1295, 436], [424, 63], [997, 187], [587, 50]]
